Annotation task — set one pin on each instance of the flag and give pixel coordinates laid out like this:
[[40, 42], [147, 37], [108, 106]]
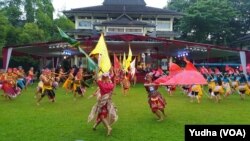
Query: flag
[[129, 59], [229, 70], [248, 68], [217, 71], [101, 49], [116, 62], [132, 67], [71, 41], [189, 65], [210, 71], [204, 70], [91, 64], [124, 61]]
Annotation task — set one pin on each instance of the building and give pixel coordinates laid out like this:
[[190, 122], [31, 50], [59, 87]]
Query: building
[[115, 17]]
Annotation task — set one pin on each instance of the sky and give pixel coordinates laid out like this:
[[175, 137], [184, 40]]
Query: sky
[[61, 5]]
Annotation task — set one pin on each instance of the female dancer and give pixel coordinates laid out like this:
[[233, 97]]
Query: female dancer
[[9, 85], [30, 77], [155, 100], [69, 81], [77, 86], [243, 87], [39, 87], [196, 92], [104, 109], [226, 85], [218, 89], [125, 84]]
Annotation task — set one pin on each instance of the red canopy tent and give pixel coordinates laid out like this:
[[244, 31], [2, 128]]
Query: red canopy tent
[[139, 44]]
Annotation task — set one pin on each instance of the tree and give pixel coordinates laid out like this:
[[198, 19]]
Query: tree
[[64, 23], [242, 22], [44, 17], [4, 25], [31, 34], [13, 11], [29, 7], [208, 21]]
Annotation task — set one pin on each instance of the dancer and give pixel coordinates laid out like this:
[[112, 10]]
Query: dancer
[[9, 85], [77, 86], [68, 84], [104, 110], [226, 85], [156, 101], [125, 84], [30, 77], [243, 88], [47, 87], [39, 87], [218, 89], [196, 92]]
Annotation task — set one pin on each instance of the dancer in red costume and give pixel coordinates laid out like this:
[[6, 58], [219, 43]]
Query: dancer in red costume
[[104, 110], [155, 100]]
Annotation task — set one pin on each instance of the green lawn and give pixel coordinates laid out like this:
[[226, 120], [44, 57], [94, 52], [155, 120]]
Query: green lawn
[[66, 120]]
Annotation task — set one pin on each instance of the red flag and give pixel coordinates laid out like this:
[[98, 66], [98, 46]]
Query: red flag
[[189, 65], [210, 71], [248, 68], [204, 70], [228, 69], [116, 62], [174, 69], [217, 71], [241, 68]]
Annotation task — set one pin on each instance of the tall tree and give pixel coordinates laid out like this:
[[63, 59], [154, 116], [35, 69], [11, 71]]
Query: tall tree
[[242, 22], [4, 25], [31, 34], [29, 7], [13, 11], [208, 21], [44, 17]]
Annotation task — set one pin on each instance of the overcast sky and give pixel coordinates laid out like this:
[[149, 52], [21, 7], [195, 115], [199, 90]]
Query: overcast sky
[[61, 5]]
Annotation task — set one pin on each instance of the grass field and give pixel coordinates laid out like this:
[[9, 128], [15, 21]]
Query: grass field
[[66, 120]]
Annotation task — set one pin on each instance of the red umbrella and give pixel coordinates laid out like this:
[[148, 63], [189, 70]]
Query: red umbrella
[[186, 77]]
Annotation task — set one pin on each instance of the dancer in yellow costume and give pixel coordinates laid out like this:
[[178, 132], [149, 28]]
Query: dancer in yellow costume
[[196, 92], [68, 84]]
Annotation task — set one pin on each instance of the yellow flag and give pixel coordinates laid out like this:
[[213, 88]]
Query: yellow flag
[[104, 60], [129, 59]]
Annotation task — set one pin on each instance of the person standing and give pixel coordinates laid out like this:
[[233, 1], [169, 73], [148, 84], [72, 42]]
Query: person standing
[[104, 110]]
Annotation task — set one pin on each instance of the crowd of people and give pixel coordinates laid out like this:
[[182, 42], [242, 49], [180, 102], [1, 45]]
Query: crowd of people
[[15, 80]]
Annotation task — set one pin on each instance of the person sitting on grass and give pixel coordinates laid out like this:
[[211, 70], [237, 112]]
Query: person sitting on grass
[[156, 101]]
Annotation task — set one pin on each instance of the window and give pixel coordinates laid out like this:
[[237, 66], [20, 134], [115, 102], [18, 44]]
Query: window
[[115, 29], [85, 24], [163, 25], [134, 30]]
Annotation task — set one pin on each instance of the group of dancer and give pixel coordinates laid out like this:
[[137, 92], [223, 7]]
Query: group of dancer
[[49, 80], [219, 84], [14, 81]]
